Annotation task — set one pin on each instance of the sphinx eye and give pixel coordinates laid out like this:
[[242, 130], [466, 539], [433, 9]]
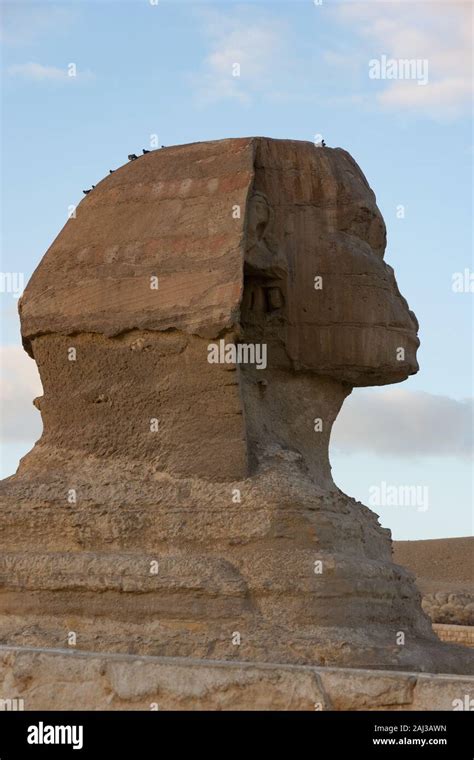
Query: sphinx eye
[[264, 298], [274, 298]]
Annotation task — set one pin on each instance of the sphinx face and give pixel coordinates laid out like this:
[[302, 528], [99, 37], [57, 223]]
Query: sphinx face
[[317, 286]]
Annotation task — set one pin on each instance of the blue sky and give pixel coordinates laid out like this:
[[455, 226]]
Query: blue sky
[[166, 69]]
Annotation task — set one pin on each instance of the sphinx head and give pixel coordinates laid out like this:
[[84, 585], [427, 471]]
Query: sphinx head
[[253, 241]]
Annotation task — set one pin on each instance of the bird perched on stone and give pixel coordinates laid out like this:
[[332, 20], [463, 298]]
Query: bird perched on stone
[[111, 171], [145, 151], [86, 191], [132, 157], [323, 143]]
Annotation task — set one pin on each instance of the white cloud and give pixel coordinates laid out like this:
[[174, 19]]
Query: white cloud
[[404, 423], [334, 58], [37, 72], [19, 420], [254, 41], [23, 22], [440, 33], [436, 97]]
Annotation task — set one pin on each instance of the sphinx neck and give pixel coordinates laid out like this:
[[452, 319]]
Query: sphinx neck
[[292, 411], [155, 398]]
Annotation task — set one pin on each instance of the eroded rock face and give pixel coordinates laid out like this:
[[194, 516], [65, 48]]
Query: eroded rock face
[[167, 215], [53, 680], [318, 251], [179, 507]]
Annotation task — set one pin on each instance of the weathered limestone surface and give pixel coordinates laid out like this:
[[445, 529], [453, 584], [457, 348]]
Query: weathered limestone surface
[[168, 215], [51, 680], [455, 634], [223, 519]]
